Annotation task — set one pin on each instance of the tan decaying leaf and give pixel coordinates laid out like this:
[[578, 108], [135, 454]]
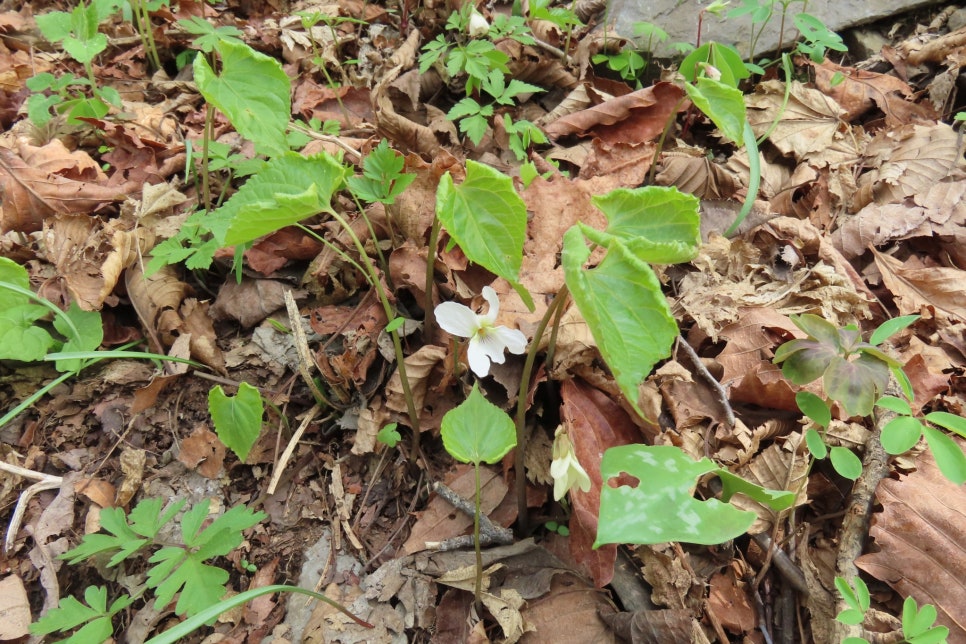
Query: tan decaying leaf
[[697, 175], [636, 117], [579, 98], [810, 126], [156, 300], [535, 66], [937, 49], [859, 90], [31, 195], [90, 255], [132, 467], [906, 162], [439, 521], [15, 608], [200, 327], [917, 286], [921, 538], [939, 211], [783, 466], [420, 367]]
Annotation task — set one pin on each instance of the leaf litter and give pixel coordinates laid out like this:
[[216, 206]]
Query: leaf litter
[[858, 217]]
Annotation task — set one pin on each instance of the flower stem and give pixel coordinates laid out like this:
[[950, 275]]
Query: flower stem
[[476, 538], [396, 343], [523, 519], [429, 313]]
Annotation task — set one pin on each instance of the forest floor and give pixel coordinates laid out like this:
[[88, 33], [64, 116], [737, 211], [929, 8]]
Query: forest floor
[[859, 218]]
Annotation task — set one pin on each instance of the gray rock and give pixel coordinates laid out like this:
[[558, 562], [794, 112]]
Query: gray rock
[[957, 19], [680, 19], [864, 43]]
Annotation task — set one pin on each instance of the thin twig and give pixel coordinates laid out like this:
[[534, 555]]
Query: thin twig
[[44, 482], [290, 448], [858, 513], [719, 391], [490, 533], [302, 347]]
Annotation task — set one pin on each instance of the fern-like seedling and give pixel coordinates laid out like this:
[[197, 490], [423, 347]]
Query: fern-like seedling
[[177, 569]]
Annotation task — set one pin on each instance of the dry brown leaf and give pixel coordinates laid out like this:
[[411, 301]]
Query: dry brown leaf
[[132, 467], [441, 521], [425, 370], [940, 210], [14, 609], [250, 301], [633, 118], [98, 491], [729, 599], [749, 373], [594, 423], [907, 161], [579, 98], [937, 49], [917, 286], [694, 173], [90, 255], [31, 195], [809, 127], [780, 466], [920, 538], [860, 90], [203, 451], [629, 162], [584, 606]]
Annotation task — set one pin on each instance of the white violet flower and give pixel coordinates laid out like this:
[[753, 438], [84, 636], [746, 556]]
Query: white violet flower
[[478, 25], [487, 341], [566, 470]]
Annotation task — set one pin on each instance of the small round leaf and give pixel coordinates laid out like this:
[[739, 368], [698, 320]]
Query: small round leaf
[[846, 462], [901, 434]]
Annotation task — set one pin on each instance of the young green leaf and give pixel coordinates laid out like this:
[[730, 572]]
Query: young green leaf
[[622, 303], [775, 499], [662, 507], [72, 613], [382, 177], [890, 327], [488, 220], [252, 90], [949, 457], [389, 435], [897, 405], [20, 338], [901, 434], [917, 625], [658, 225], [721, 103], [816, 446], [238, 419], [845, 462], [952, 422], [289, 188], [477, 431], [814, 407], [83, 330], [857, 600]]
